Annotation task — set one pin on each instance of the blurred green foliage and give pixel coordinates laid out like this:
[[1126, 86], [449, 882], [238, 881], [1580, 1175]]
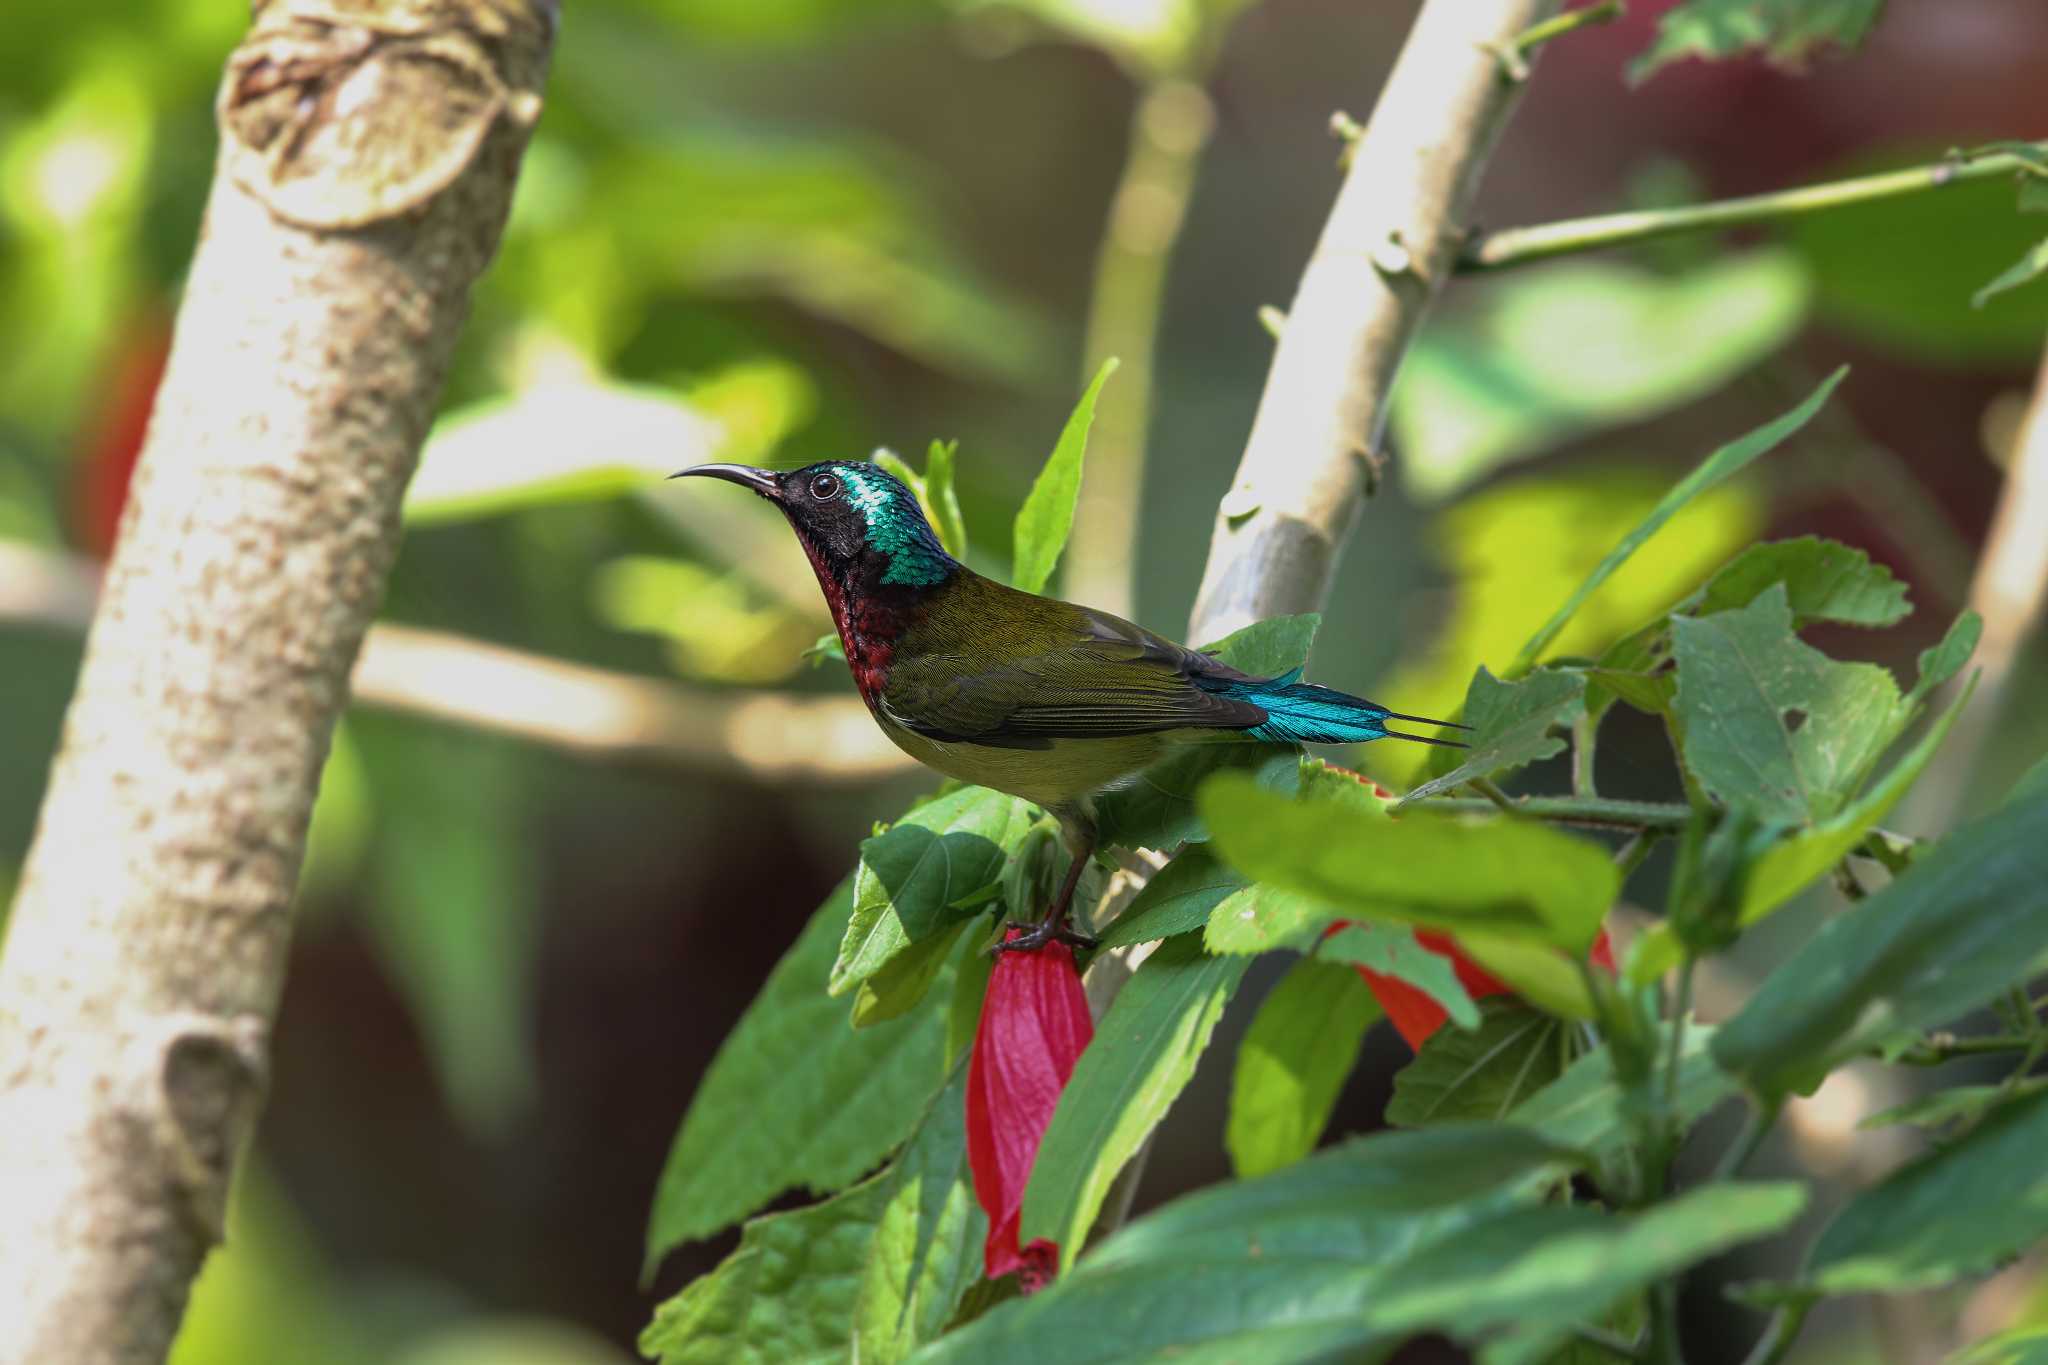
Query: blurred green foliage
[[724, 246]]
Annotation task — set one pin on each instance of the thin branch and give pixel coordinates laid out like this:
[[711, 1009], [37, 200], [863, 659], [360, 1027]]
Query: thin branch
[[1384, 255], [1527, 245], [594, 713], [1783, 1331], [1169, 129], [1946, 1047], [1762, 1118], [146, 949], [1595, 812]]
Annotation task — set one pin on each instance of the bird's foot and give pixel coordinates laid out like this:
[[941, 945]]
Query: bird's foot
[[1038, 935]]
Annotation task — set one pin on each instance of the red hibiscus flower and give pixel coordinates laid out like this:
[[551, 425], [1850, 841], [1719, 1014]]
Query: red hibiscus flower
[[1417, 1015], [1034, 1024]]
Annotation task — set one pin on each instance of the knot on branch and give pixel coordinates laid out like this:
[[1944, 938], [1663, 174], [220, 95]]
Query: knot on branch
[[210, 1075], [339, 114]]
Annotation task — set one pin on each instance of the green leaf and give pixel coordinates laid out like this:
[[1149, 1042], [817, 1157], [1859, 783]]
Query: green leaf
[[1957, 1211], [1292, 1063], [1177, 899], [1789, 866], [1943, 661], [1499, 875], [1048, 512], [1717, 467], [1143, 1055], [1586, 1107], [1511, 725], [1542, 976], [1961, 925], [1481, 1074], [1277, 1268], [943, 499], [786, 1297], [1773, 724], [1574, 347], [795, 1098], [1824, 580], [873, 1271], [901, 983], [1157, 810], [1260, 918], [913, 875], [1525, 1277], [1958, 1105], [1785, 31], [456, 916], [2023, 271], [554, 443], [928, 1237], [2016, 1346], [1393, 950]]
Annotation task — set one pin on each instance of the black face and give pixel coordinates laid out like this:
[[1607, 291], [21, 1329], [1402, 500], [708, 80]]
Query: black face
[[854, 518]]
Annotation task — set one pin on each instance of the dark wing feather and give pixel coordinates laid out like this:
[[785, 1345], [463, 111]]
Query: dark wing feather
[[992, 665]]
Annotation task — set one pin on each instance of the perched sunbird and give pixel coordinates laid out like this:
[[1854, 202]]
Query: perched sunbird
[[1029, 695]]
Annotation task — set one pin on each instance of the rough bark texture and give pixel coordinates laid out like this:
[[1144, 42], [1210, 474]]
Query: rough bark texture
[[1388, 247], [367, 159]]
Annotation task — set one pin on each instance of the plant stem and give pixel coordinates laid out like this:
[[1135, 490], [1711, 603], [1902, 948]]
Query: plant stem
[[1514, 57], [1761, 1119], [1585, 739], [1612, 1342], [1169, 129], [1526, 245], [1777, 1339], [1679, 1014], [1599, 812], [1945, 1047]]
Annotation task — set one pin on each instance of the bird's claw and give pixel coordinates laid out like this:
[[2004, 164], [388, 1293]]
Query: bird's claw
[[1038, 935]]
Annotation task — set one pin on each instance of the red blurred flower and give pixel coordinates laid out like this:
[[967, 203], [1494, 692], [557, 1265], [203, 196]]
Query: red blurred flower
[[1034, 1024], [112, 439], [1417, 1015]]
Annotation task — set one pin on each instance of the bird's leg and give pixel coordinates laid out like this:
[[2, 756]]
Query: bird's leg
[[1079, 836]]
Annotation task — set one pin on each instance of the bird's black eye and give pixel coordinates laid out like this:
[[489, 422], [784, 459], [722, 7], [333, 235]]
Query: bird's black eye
[[825, 486]]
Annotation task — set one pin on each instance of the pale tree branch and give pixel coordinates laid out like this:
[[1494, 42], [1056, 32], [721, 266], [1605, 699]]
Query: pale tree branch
[[367, 158], [1385, 252], [2008, 590], [1388, 248], [592, 713]]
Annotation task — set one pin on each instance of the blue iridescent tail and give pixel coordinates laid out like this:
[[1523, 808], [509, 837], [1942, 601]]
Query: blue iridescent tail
[[1307, 713]]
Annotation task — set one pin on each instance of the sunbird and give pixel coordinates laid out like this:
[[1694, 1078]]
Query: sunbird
[[1029, 695]]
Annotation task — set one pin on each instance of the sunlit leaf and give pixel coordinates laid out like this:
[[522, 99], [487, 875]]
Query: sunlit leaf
[[1047, 516], [1786, 31], [555, 443], [1292, 1064], [1790, 866], [1143, 1055], [1824, 580], [942, 499], [1772, 724], [1566, 349], [914, 876], [1511, 726], [1722, 464], [1500, 876]]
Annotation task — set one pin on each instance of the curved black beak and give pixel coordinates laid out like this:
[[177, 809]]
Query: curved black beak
[[762, 481]]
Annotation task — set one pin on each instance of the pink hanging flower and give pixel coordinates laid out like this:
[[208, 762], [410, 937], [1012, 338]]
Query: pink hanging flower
[[1034, 1025]]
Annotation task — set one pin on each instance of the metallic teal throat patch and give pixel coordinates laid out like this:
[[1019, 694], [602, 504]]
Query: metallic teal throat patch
[[897, 529]]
